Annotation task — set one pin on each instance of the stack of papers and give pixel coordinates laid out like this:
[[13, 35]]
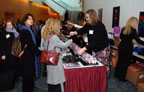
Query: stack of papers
[[72, 65], [80, 65]]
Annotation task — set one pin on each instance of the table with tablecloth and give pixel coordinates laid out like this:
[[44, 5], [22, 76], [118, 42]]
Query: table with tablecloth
[[88, 79]]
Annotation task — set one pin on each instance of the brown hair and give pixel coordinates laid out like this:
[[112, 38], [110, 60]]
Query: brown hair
[[52, 27], [5, 25], [93, 16]]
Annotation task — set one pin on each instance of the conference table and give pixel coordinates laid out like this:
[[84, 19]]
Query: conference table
[[91, 78], [87, 79]]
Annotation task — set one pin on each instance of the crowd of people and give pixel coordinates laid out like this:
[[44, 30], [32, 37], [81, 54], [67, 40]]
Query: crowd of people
[[35, 36], [28, 65]]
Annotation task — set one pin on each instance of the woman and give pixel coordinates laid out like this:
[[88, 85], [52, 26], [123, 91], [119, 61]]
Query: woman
[[81, 23], [7, 37], [125, 48], [55, 74], [98, 43], [28, 58], [6, 61], [11, 29]]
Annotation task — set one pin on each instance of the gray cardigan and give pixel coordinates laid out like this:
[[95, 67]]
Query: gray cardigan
[[55, 74]]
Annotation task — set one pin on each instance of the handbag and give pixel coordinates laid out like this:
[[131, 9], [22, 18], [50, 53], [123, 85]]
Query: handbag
[[16, 49], [49, 57]]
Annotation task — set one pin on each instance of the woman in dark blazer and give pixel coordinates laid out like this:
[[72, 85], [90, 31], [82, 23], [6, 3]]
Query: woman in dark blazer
[[29, 56], [6, 61], [6, 38], [5, 44]]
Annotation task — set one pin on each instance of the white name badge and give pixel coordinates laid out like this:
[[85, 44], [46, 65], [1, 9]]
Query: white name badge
[[8, 35], [91, 31]]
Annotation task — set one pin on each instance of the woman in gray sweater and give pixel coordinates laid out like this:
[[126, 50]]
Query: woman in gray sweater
[[55, 74]]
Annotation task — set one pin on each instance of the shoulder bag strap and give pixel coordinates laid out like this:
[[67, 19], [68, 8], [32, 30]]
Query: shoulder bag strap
[[48, 44]]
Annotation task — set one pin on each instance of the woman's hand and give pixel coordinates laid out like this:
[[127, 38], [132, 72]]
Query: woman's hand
[[70, 23], [71, 40], [134, 41], [82, 51], [87, 44], [3, 57], [73, 33]]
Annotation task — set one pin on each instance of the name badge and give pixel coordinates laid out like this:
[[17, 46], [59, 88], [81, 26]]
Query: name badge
[[7, 36], [90, 31]]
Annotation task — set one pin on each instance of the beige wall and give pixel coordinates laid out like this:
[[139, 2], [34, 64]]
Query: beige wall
[[21, 7]]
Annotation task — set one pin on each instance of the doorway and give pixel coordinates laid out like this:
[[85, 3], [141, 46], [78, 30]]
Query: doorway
[[9, 15]]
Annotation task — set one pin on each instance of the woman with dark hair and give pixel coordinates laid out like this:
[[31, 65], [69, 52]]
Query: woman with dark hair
[[29, 57], [98, 43], [9, 27]]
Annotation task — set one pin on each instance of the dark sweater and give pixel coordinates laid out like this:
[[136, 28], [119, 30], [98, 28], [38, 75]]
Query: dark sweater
[[97, 36], [126, 40]]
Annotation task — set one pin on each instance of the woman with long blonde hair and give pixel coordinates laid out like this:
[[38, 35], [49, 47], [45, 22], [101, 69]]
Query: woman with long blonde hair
[[131, 23], [55, 74], [125, 48], [52, 28]]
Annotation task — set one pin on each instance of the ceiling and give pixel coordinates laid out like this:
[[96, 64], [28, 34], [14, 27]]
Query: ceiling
[[61, 6]]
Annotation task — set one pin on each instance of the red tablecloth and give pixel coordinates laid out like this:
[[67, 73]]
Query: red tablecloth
[[91, 79]]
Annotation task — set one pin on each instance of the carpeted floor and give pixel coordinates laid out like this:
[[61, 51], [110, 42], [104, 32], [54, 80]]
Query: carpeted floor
[[113, 85]]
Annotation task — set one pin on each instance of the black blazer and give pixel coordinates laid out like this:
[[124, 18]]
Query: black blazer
[[97, 36], [6, 39], [27, 59]]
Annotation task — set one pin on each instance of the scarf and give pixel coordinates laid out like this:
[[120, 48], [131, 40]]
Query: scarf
[[36, 58], [16, 34]]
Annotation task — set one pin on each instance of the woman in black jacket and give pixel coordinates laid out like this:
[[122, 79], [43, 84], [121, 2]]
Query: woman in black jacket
[[6, 61], [98, 43], [28, 58], [6, 38], [125, 48]]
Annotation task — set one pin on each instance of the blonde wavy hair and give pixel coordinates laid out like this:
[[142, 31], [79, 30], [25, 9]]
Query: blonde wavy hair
[[93, 16], [132, 22], [52, 27]]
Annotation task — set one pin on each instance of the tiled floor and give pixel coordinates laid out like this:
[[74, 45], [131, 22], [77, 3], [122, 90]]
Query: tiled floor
[[113, 85]]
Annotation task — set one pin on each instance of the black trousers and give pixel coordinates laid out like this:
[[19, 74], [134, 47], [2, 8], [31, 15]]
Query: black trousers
[[27, 84], [54, 88], [16, 67]]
